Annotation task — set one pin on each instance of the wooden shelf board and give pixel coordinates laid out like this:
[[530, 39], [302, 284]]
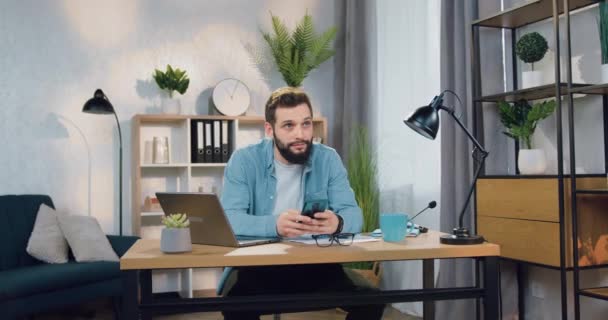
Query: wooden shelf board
[[528, 13], [592, 89], [539, 176], [152, 213], [208, 165], [600, 293], [533, 93], [168, 165]]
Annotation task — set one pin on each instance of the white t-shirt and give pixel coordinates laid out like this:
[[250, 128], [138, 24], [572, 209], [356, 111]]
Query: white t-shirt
[[289, 193]]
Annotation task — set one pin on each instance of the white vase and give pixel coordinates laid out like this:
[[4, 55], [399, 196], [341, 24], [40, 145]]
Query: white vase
[[171, 105], [532, 161], [175, 240], [531, 79], [605, 73]]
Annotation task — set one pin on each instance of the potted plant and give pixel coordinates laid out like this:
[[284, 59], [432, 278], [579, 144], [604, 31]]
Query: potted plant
[[520, 121], [531, 48], [363, 177], [603, 32], [175, 237], [169, 81], [301, 52]]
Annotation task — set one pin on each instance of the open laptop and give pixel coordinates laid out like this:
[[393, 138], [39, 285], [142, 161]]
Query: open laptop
[[208, 222]]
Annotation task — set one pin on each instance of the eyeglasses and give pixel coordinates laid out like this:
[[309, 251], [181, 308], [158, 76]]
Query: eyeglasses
[[326, 240]]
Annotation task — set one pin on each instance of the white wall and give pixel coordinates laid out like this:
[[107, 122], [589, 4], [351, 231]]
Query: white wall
[[409, 164], [54, 54]]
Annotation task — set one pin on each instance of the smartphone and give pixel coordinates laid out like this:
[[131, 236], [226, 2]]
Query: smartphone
[[313, 206]]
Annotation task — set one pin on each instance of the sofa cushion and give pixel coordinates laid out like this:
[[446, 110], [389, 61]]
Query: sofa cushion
[[18, 213], [43, 278], [86, 239], [47, 242]]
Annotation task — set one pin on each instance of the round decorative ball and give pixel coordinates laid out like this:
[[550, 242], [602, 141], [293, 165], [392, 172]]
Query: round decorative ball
[[531, 47]]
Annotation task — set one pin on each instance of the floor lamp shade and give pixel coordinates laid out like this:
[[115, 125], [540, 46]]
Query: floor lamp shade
[[100, 104]]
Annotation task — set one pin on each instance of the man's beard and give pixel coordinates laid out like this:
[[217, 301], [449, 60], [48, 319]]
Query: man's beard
[[294, 158]]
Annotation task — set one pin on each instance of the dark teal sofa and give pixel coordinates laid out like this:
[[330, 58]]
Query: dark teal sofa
[[29, 286]]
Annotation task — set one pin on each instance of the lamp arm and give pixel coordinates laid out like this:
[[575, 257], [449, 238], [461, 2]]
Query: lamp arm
[[451, 112], [480, 162]]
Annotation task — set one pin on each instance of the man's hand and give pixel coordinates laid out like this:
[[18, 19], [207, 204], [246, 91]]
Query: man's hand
[[292, 224], [327, 222]]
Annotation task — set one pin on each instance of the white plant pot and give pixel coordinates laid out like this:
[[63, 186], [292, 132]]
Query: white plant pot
[[171, 105], [605, 73], [531, 79], [532, 161], [175, 240]]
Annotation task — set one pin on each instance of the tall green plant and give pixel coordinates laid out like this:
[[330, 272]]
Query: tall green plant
[[603, 30], [302, 51], [363, 177], [521, 119]]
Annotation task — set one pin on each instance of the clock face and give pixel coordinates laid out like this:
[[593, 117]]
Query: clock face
[[231, 97]]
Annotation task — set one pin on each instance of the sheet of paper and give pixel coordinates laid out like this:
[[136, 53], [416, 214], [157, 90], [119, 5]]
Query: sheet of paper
[[264, 249]]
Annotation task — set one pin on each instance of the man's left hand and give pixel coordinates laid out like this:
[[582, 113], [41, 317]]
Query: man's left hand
[[327, 222]]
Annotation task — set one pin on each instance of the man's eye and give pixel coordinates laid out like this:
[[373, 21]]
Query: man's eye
[[307, 124], [288, 125]]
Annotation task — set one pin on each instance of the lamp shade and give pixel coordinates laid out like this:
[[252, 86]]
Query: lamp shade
[[99, 104], [425, 121]]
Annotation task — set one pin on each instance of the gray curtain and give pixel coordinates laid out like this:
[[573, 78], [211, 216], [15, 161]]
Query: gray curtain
[[456, 162], [359, 72], [456, 167]]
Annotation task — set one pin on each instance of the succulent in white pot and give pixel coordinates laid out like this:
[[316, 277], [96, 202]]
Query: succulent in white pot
[[520, 121], [531, 48], [175, 237]]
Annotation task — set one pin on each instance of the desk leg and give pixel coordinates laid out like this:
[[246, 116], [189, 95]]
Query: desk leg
[[428, 282], [129, 295], [145, 282], [491, 288]]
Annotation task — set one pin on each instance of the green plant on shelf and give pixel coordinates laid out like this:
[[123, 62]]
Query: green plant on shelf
[[602, 25], [521, 118], [531, 48], [172, 80]]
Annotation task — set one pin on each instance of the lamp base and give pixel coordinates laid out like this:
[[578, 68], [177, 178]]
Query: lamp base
[[461, 236]]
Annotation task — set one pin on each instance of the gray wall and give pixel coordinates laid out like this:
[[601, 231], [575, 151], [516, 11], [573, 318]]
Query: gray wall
[[54, 54]]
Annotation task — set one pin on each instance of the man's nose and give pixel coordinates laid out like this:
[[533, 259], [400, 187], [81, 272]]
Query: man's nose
[[298, 132]]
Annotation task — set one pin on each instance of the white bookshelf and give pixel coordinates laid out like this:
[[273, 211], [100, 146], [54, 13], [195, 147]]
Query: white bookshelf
[[181, 175]]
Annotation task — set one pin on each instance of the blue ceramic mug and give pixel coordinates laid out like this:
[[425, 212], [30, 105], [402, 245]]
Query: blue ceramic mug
[[393, 226]]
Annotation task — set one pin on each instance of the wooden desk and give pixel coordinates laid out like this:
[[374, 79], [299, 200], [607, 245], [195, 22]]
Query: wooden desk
[[145, 256]]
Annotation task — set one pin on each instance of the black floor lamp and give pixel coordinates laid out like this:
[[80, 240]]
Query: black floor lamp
[[100, 104], [425, 121]]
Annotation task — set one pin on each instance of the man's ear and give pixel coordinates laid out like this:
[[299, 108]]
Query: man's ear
[[268, 129]]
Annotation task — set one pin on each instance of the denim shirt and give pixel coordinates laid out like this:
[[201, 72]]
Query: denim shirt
[[250, 188]]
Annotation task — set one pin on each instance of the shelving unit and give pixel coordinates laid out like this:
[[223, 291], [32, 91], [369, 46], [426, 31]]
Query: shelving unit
[[181, 175], [536, 219]]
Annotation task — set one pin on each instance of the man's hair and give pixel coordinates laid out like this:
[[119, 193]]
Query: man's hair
[[286, 97]]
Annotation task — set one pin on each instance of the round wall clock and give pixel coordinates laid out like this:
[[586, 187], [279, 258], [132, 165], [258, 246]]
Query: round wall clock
[[231, 97]]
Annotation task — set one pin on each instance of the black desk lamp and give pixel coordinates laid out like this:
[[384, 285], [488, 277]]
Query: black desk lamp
[[425, 121], [100, 104]]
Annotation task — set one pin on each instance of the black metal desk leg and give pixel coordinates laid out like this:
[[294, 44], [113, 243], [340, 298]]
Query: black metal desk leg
[[129, 295], [428, 282], [145, 283], [491, 286]]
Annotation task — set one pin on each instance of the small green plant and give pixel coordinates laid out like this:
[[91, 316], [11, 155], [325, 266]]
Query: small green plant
[[602, 25], [172, 80], [531, 48], [176, 220], [363, 177], [301, 52], [521, 119]]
